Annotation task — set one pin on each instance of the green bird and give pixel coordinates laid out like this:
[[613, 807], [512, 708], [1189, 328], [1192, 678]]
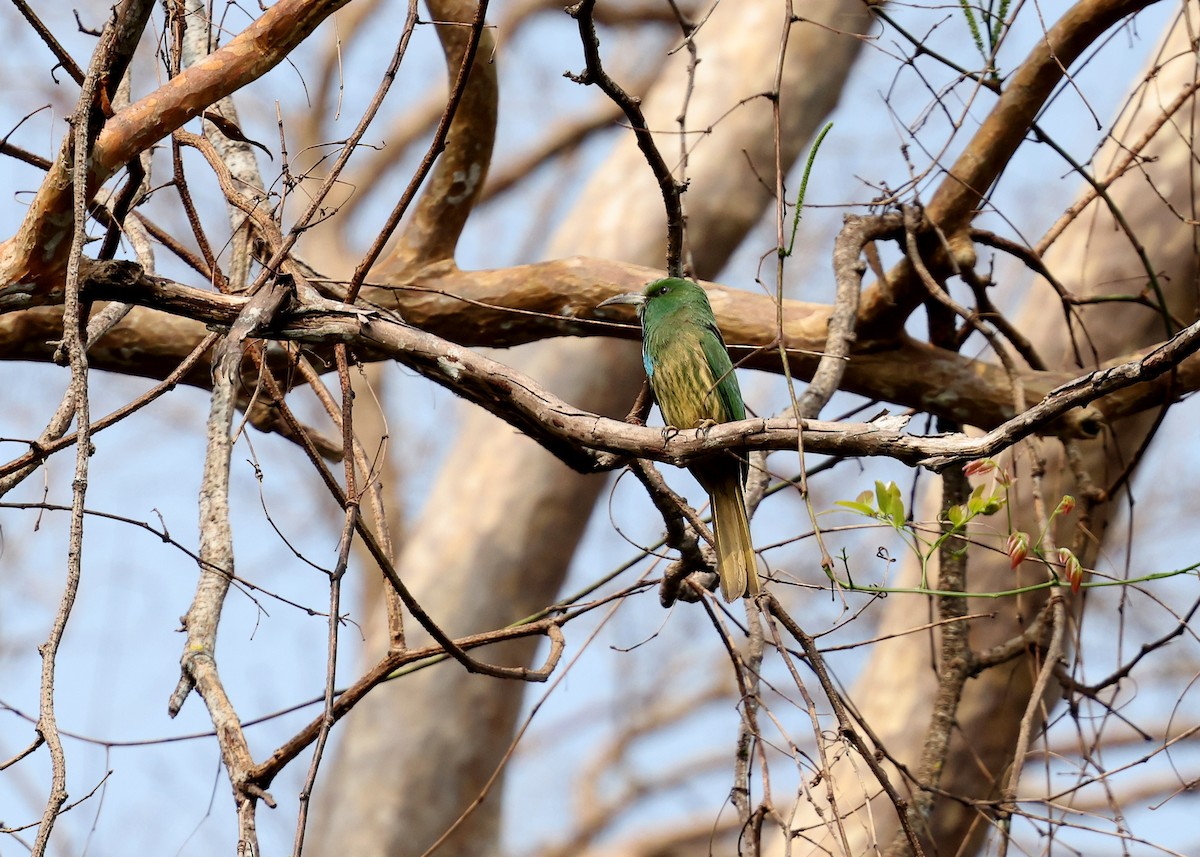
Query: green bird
[[692, 378]]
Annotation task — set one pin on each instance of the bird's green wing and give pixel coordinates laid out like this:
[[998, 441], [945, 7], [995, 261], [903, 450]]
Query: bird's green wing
[[729, 394]]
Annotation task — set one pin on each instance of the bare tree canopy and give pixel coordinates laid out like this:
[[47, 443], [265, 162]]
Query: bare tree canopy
[[301, 313]]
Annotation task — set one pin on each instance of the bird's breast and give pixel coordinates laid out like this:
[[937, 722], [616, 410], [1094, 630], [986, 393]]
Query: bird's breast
[[684, 383]]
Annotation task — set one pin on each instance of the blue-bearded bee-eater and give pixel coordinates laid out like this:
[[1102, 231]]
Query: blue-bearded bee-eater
[[692, 378]]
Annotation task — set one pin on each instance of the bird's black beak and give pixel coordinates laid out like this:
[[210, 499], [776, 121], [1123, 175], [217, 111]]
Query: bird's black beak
[[636, 299]]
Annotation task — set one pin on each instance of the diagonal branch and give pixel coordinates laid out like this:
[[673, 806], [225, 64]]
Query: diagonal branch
[[959, 196], [386, 669]]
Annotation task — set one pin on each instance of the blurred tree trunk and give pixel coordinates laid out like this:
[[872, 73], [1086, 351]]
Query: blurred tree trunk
[[503, 519], [1092, 257]]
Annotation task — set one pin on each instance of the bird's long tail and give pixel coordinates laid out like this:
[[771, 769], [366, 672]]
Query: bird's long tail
[[736, 565]]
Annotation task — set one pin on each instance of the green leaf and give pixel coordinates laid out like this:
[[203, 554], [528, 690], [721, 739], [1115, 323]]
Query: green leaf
[[891, 506], [862, 508], [993, 505]]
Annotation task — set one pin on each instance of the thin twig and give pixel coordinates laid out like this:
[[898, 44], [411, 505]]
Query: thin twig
[[74, 314], [387, 667], [381, 557], [60, 53], [749, 736], [335, 591], [845, 727], [52, 440], [819, 740], [594, 73], [954, 666], [439, 248], [375, 501]]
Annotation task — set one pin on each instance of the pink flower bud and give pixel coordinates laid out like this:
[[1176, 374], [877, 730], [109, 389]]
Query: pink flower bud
[[1072, 568], [978, 466], [1018, 548]]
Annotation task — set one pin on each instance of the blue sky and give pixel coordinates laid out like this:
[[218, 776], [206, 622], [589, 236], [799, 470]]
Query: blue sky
[[120, 657]]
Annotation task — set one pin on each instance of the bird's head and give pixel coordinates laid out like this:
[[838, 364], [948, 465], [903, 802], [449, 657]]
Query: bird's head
[[659, 294]]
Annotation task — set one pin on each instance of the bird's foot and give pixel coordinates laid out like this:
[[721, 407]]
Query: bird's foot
[[704, 427], [669, 432]]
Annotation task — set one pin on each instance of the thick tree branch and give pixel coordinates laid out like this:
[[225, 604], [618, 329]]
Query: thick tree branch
[[567, 431], [947, 384]]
